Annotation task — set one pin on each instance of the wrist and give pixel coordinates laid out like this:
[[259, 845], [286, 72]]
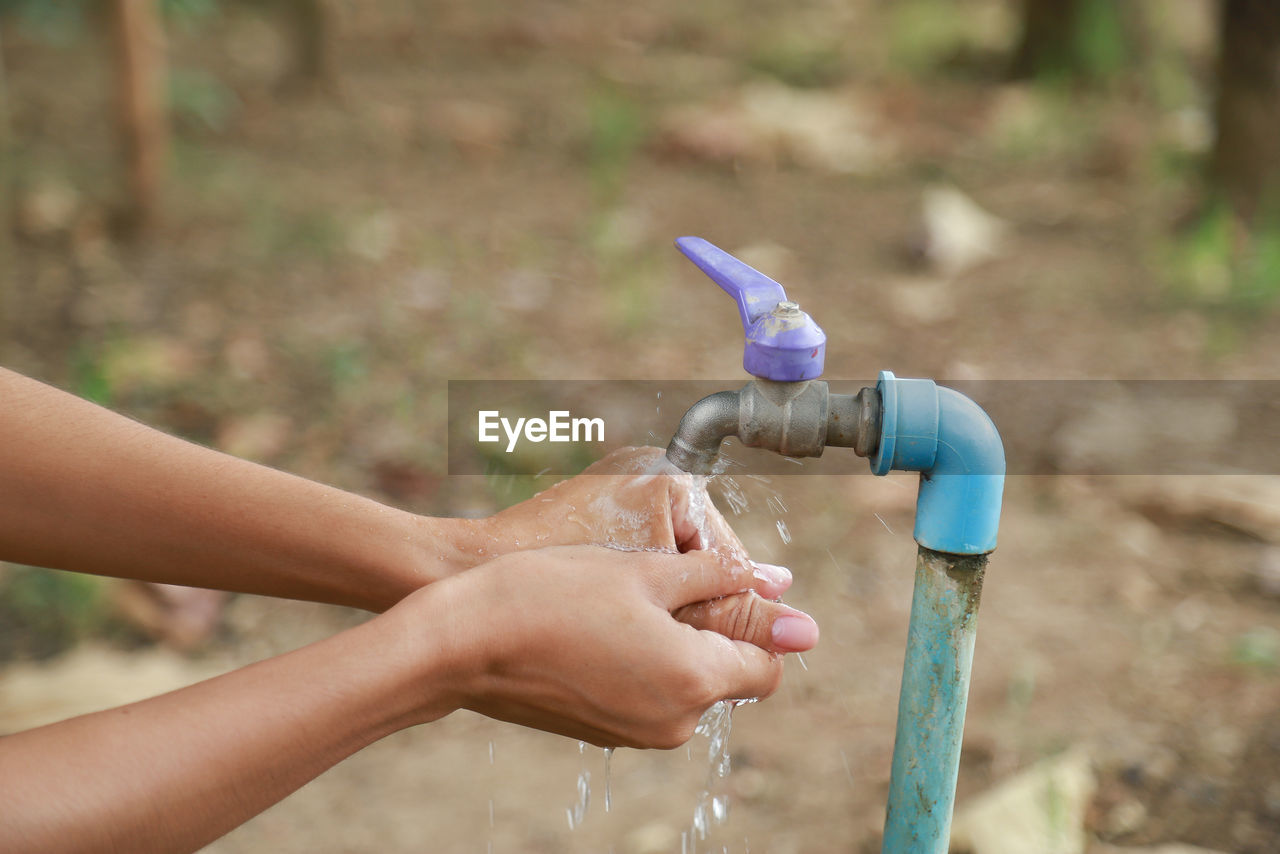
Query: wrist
[[438, 547], [418, 551], [431, 657]]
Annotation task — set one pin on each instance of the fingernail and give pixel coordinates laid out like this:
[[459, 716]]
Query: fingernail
[[771, 573], [795, 633]]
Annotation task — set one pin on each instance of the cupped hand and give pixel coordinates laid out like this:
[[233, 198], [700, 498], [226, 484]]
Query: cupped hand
[[634, 498], [581, 641]]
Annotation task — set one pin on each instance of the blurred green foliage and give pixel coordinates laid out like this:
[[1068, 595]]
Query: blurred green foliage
[[88, 377], [800, 61], [1258, 648], [201, 98], [271, 231], [1069, 42], [348, 364], [1220, 262], [617, 128], [58, 22], [62, 20], [1098, 42], [189, 12], [45, 611], [923, 32]]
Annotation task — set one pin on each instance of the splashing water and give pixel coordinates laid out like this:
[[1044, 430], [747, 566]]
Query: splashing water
[[733, 494], [731, 490], [784, 532], [712, 808], [713, 804]]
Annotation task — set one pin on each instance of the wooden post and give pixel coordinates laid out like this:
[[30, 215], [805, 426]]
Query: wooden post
[[8, 263], [1045, 47], [1246, 154], [312, 61], [138, 36]]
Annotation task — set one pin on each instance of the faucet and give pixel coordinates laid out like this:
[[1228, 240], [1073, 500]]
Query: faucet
[[784, 408], [903, 425]]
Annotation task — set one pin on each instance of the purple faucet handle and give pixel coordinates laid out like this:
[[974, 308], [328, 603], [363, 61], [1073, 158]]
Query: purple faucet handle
[[783, 342], [755, 293]]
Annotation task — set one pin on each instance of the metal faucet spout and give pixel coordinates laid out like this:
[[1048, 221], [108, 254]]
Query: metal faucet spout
[[795, 419], [696, 443]]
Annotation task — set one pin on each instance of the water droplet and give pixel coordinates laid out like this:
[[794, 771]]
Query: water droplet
[[608, 761], [848, 772], [579, 811], [784, 532], [700, 818]]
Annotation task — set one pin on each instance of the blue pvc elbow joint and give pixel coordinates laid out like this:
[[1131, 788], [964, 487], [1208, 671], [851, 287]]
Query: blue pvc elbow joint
[[951, 441]]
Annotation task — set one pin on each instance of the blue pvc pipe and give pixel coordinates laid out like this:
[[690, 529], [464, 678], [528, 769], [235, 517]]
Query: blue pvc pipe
[[948, 439], [952, 443], [931, 706]]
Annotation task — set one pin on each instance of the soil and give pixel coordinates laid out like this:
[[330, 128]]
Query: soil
[[471, 199]]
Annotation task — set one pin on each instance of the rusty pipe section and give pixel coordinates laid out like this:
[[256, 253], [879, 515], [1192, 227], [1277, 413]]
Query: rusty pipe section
[[795, 419], [932, 702]]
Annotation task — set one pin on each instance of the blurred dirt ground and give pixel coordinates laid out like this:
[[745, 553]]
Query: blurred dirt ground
[[489, 191]]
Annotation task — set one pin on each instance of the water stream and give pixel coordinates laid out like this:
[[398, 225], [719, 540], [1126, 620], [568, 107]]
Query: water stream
[[711, 807]]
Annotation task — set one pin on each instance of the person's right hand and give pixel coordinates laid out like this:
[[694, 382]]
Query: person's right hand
[[581, 641], [635, 499]]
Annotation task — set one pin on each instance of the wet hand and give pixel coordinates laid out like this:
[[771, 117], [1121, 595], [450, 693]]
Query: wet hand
[[635, 499], [581, 641], [632, 499]]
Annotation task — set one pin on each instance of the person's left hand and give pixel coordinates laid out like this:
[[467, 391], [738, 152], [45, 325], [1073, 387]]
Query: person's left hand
[[631, 499]]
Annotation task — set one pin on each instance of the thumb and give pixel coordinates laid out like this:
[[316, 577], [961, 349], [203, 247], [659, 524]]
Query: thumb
[[683, 579], [771, 626]]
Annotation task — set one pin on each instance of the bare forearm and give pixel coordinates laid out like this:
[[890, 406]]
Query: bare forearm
[[175, 772], [578, 641], [86, 489]]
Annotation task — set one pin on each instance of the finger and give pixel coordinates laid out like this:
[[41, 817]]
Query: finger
[[747, 617], [720, 534], [710, 574], [684, 528], [742, 671], [695, 519]]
